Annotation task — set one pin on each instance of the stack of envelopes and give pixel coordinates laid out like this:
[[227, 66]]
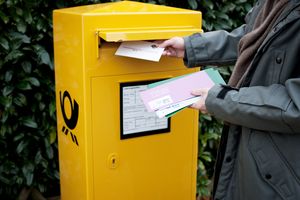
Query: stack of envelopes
[[169, 96]]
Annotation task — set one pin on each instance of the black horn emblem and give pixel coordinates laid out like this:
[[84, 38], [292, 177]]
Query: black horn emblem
[[71, 122]]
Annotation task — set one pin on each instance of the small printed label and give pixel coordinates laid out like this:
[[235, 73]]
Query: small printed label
[[160, 102], [176, 106]]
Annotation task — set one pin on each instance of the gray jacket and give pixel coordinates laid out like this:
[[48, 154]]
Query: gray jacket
[[259, 154]]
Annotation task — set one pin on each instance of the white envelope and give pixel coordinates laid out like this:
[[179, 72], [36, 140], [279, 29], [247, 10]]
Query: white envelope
[[141, 50]]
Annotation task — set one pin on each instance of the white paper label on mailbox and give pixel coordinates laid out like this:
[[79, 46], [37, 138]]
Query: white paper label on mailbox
[[136, 118]]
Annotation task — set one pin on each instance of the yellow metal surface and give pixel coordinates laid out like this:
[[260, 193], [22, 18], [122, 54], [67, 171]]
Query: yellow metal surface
[[144, 34], [95, 164]]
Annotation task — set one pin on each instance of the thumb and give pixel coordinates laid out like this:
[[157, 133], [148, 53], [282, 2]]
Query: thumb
[[166, 43], [199, 92]]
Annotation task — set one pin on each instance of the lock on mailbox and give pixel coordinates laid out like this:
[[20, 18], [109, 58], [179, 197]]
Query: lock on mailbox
[[110, 148]]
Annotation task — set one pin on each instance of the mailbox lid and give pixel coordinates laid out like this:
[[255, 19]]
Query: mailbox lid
[[127, 20], [121, 7], [118, 35]]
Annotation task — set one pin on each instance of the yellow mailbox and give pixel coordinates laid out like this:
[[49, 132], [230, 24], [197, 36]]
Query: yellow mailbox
[[110, 148]]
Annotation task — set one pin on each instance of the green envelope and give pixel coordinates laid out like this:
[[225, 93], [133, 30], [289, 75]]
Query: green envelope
[[211, 72]]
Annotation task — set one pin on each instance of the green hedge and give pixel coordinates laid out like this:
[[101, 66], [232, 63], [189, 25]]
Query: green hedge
[[28, 143], [28, 147]]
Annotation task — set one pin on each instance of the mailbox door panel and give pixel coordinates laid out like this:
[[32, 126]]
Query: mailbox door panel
[[150, 167]]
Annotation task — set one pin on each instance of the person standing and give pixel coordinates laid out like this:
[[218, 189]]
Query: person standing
[[259, 152]]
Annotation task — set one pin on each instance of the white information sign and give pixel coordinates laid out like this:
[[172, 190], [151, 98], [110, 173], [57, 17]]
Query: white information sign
[[135, 117]]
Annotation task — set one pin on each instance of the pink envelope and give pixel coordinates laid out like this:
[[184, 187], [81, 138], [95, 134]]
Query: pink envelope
[[176, 90]]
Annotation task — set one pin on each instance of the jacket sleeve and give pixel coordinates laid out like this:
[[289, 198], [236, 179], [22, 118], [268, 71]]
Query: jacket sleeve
[[273, 108], [212, 48]]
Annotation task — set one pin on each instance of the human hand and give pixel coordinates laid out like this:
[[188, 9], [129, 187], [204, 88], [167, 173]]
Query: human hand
[[174, 47], [200, 105]]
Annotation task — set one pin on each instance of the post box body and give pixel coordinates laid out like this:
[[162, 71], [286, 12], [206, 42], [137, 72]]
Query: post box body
[[105, 153]]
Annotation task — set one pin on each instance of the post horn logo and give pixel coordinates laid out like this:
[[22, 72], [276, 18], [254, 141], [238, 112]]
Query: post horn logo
[[72, 121]]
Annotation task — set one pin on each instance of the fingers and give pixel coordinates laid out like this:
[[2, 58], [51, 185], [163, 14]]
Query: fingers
[[199, 105], [167, 43], [174, 47], [164, 44], [170, 52], [175, 42]]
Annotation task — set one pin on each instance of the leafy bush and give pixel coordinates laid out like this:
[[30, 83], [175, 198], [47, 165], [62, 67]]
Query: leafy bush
[[27, 108], [28, 145]]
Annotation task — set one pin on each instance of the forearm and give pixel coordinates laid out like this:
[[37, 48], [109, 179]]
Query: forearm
[[212, 48], [263, 108]]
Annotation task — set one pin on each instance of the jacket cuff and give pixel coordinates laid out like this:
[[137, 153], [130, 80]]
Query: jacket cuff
[[195, 50], [211, 96], [217, 92], [224, 90]]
